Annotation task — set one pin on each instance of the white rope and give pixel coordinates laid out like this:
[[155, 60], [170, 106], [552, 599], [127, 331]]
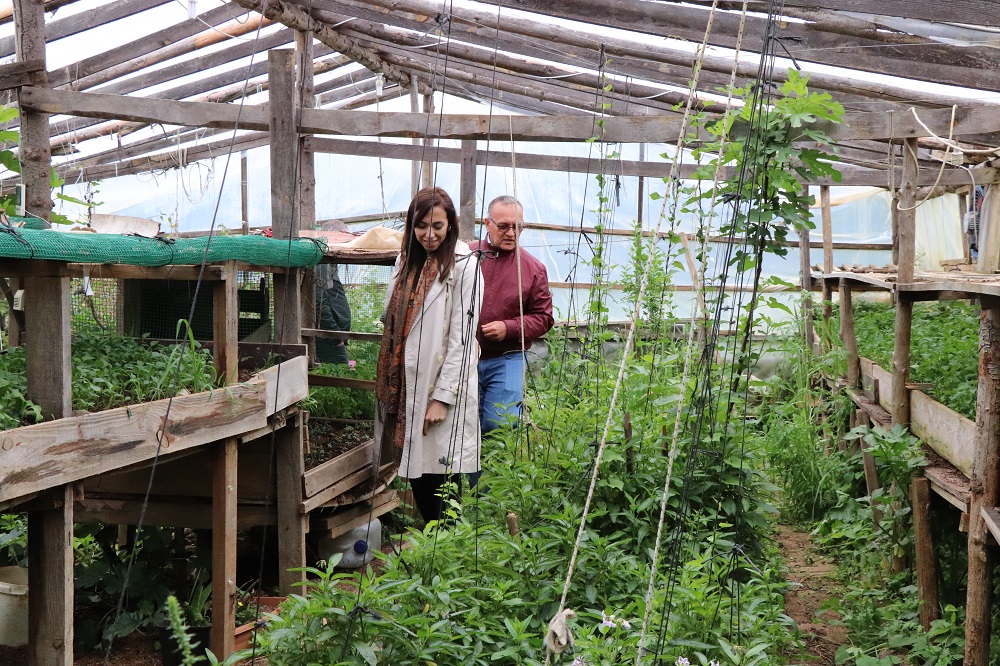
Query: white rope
[[949, 145], [698, 287], [951, 131], [517, 258], [643, 284]]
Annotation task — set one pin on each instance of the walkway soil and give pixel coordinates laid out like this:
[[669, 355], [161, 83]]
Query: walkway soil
[[812, 584]]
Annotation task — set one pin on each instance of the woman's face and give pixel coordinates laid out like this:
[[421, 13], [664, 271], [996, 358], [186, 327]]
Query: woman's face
[[431, 230]]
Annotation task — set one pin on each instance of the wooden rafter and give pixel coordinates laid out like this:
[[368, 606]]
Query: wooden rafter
[[295, 17]]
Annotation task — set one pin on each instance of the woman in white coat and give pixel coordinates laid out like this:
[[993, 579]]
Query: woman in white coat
[[427, 383]]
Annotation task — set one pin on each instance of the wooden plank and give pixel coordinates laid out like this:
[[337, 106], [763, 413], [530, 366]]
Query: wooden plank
[[467, 192], [210, 272], [224, 470], [346, 519], [944, 485], [292, 524], [848, 336], [991, 516], [342, 382], [50, 583], [341, 335], [323, 476], [563, 163], [882, 379], [904, 309], [336, 490], [805, 282], [58, 452], [946, 431], [984, 483], [139, 109], [180, 38], [82, 21], [47, 345], [286, 383], [225, 321], [195, 515], [22, 73], [926, 560], [630, 129]]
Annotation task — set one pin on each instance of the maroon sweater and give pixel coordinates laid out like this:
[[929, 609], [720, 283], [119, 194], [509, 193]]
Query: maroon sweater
[[500, 299]]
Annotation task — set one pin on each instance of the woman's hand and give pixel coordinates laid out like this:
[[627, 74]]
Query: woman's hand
[[436, 411]]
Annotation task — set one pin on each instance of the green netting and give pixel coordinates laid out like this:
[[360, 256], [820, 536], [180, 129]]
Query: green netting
[[22, 243]]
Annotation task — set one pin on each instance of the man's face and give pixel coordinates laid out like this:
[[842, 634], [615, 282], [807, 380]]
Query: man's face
[[504, 225]]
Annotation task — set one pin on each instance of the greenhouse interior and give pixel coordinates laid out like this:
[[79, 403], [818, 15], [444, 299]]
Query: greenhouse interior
[[703, 370]]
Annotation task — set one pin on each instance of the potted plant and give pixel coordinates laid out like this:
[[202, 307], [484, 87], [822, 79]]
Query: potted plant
[[196, 614], [250, 614]]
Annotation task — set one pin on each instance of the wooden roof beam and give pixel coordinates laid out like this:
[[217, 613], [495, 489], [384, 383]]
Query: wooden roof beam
[[805, 42], [295, 17], [178, 39], [556, 34], [72, 25], [977, 12]]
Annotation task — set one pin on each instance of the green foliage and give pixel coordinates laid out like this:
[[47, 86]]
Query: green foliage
[[944, 347], [772, 200], [109, 371]]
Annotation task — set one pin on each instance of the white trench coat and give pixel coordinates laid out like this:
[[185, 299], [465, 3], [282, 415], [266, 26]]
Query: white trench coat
[[440, 363]]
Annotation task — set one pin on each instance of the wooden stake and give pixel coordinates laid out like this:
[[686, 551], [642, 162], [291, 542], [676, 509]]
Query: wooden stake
[[467, 197], [904, 309], [848, 336], [284, 188], [920, 496], [984, 485], [290, 467], [414, 164], [225, 323], [512, 526], [427, 175], [805, 277], [50, 583], [827, 213], [224, 468]]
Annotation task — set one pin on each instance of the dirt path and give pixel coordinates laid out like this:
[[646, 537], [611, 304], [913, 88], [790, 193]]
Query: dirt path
[[813, 583]]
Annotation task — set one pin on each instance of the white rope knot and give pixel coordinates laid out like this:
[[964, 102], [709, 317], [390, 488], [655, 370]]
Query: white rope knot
[[559, 637]]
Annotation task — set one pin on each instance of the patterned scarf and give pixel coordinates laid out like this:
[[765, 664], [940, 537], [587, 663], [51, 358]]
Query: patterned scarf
[[390, 388]]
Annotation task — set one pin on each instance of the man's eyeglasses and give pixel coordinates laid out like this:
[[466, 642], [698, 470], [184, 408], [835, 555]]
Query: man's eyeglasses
[[504, 228]]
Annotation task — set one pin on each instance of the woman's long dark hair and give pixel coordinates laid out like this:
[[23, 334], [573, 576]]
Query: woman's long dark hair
[[423, 203]]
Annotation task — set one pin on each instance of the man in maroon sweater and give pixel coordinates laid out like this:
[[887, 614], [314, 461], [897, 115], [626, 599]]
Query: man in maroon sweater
[[509, 315]]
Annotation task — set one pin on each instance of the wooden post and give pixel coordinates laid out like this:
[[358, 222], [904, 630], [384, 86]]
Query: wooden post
[[414, 164], [225, 323], [47, 333], [283, 103], [245, 192], [50, 582], [224, 466], [827, 215], [984, 486], [428, 176], [963, 207], [805, 272], [47, 340], [904, 308], [289, 468], [927, 592], [307, 175], [848, 336], [467, 196], [640, 211]]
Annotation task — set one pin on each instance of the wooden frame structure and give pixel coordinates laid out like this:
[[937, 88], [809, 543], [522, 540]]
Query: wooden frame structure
[[555, 69]]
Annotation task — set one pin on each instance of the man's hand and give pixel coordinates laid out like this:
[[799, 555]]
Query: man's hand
[[436, 411], [495, 331]]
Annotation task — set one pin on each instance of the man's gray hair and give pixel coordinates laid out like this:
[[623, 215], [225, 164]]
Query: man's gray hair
[[503, 200]]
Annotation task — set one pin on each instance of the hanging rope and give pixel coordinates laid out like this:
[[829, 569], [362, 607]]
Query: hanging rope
[[623, 365]]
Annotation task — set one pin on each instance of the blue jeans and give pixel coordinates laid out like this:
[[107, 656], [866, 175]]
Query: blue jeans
[[501, 391]]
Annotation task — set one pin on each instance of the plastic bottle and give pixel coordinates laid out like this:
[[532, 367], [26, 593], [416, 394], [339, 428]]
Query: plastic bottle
[[355, 546]]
